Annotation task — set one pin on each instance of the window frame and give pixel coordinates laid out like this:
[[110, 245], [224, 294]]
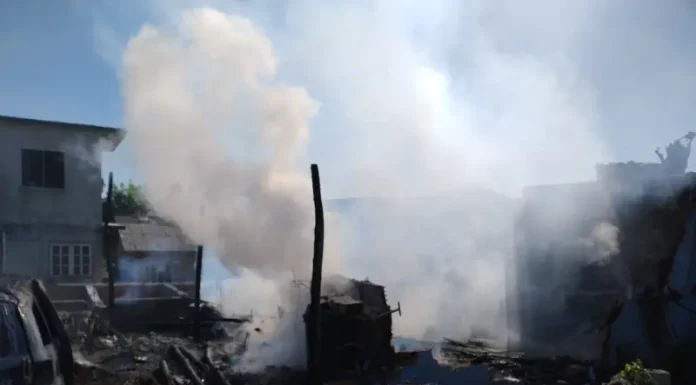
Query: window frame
[[28, 157], [68, 269]]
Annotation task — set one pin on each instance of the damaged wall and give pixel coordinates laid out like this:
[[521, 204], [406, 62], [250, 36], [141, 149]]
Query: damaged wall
[[556, 242], [629, 333], [626, 314], [684, 280]]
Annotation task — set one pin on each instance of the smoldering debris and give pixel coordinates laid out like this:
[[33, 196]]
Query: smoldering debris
[[103, 355], [355, 331], [514, 367]]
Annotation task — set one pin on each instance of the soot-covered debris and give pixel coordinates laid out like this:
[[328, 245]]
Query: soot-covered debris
[[104, 355], [475, 361]]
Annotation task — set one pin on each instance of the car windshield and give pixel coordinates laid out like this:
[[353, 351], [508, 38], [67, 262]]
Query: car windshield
[[12, 341]]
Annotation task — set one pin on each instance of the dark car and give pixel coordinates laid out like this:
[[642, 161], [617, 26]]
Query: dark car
[[34, 346]]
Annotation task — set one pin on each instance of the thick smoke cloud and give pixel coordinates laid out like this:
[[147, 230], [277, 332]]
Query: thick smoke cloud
[[185, 90], [227, 104], [212, 77]]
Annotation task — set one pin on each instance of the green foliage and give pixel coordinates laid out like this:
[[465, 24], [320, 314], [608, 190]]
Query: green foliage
[[129, 200], [636, 374]]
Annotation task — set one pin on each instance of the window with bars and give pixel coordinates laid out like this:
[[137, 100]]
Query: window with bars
[[43, 169], [71, 260]]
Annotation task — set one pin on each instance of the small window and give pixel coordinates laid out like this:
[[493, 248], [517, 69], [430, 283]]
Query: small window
[[71, 260], [43, 169], [54, 169], [77, 266], [32, 168], [86, 260]]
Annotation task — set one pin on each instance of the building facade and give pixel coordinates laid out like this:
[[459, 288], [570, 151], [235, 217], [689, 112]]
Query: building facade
[[51, 198]]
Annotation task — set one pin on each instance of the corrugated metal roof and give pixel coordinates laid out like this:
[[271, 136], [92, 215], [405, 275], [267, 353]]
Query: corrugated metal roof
[[146, 237]]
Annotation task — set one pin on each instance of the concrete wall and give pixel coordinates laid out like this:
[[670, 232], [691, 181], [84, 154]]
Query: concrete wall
[[684, 280], [145, 313], [28, 249], [628, 333], [134, 291], [176, 266], [137, 304], [32, 217], [553, 308]]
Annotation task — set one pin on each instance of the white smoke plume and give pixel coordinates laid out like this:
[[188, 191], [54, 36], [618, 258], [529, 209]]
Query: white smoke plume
[[605, 240], [248, 197], [213, 78], [226, 104]]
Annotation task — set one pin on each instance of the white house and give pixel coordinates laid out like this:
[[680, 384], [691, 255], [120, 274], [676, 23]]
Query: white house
[[50, 198]]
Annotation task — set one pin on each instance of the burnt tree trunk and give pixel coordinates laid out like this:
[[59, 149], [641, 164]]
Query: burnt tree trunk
[[199, 272], [314, 335]]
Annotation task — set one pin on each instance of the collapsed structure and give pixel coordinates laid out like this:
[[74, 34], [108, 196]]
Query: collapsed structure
[[356, 330], [595, 273]]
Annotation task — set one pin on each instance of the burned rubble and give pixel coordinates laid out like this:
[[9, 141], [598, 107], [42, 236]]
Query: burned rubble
[[356, 330], [356, 345], [171, 355], [159, 352], [514, 367]]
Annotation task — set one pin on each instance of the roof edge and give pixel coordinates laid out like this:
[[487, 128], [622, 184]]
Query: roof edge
[[114, 135]]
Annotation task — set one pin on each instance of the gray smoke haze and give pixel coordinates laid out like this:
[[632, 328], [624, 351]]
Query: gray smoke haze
[[460, 102]]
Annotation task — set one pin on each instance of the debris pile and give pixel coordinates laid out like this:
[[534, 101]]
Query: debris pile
[[511, 367], [104, 355], [356, 330]]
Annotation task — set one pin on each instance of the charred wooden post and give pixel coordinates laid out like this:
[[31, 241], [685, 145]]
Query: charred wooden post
[[199, 271], [185, 365], [214, 376], [197, 363], [314, 334], [166, 373], [107, 238]]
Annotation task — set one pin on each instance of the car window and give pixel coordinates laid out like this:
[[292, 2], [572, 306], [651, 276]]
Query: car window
[[12, 339]]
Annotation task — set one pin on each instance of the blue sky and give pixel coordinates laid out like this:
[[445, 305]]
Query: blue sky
[[50, 70], [59, 63]]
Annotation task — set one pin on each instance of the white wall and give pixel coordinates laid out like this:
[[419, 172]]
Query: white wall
[[33, 218], [28, 249], [79, 203]]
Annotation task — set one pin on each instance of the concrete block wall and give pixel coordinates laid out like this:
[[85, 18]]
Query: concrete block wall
[[69, 297], [132, 291], [144, 314]]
